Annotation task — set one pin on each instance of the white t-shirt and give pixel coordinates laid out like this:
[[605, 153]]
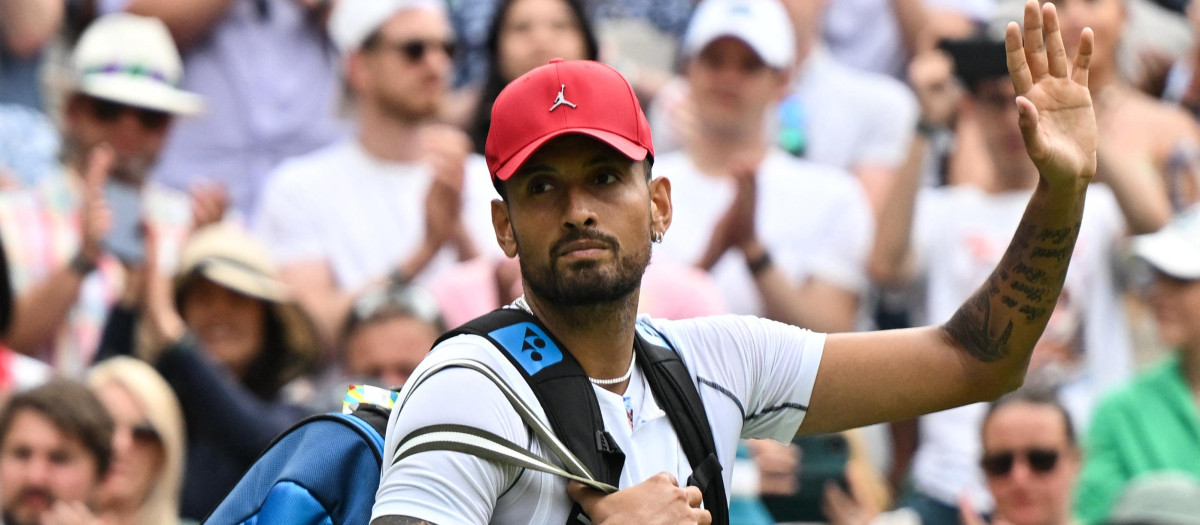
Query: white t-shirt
[[960, 235], [362, 215], [813, 219], [853, 117], [754, 376]]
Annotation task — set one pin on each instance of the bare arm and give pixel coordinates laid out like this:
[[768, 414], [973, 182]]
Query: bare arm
[[1137, 187], [817, 305], [983, 350], [188, 20], [43, 308], [814, 304], [891, 262], [29, 24], [912, 17]]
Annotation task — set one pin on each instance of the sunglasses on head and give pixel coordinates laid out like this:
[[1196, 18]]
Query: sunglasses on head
[[108, 111], [415, 50], [144, 433], [999, 464]]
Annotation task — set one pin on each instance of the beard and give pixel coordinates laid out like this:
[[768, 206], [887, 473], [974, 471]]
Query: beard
[[587, 283], [409, 107]]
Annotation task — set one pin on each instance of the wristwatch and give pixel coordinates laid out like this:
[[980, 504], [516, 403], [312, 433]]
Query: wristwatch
[[82, 264]]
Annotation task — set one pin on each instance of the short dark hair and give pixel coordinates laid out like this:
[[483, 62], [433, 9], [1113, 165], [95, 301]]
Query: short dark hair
[[74, 410], [501, 186], [1034, 395]]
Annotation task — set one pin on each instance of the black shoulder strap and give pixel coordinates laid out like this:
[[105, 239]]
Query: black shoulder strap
[[560, 384], [673, 388], [566, 395]]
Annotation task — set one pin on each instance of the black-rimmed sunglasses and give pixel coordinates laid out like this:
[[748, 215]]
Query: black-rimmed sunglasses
[[1000, 464], [415, 50], [108, 111]]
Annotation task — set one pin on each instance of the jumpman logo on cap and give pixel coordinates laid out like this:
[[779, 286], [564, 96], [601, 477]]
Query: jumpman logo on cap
[[561, 100]]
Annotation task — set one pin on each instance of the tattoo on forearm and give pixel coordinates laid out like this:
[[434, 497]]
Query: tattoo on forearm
[[970, 327], [1023, 288]]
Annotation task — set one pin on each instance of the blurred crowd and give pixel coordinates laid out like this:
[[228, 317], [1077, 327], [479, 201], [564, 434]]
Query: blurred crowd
[[217, 214]]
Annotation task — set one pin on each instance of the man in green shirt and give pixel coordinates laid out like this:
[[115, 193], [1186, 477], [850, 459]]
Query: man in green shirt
[[1153, 424]]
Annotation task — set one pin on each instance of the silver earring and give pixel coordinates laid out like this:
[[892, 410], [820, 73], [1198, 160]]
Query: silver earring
[[656, 236]]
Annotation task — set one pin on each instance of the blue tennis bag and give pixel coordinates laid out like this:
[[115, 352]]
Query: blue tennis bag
[[291, 484]]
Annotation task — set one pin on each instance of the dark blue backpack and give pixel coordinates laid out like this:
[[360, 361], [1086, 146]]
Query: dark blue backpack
[[289, 483]]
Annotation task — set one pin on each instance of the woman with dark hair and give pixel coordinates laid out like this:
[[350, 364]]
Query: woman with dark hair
[[526, 34], [227, 337]]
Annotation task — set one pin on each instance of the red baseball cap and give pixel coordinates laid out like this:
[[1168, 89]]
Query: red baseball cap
[[560, 98]]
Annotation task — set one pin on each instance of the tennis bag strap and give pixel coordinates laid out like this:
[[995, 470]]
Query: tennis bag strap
[[562, 388]]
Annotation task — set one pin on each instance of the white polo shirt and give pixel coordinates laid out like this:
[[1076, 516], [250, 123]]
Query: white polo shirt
[[754, 376]]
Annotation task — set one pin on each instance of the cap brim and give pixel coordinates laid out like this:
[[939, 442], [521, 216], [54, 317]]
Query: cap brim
[[1169, 254], [625, 146], [142, 93]]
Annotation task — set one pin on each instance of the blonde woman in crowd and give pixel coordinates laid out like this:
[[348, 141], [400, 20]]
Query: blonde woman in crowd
[[143, 485]]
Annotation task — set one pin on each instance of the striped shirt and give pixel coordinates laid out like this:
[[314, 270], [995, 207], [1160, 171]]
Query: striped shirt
[[40, 228]]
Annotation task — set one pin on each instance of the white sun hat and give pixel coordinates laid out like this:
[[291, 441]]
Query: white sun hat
[[1175, 249], [132, 60]]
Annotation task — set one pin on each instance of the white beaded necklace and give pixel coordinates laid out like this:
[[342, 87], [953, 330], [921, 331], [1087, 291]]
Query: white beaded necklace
[[615, 380], [520, 303]]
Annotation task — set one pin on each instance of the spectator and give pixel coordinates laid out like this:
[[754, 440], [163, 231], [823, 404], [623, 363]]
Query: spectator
[[144, 481], [17, 371], [55, 448], [1152, 424], [269, 77], [1140, 137], [392, 201], [526, 34], [950, 238], [228, 339], [656, 22], [1030, 456], [803, 229], [831, 114], [26, 27], [1031, 459], [388, 333], [63, 234]]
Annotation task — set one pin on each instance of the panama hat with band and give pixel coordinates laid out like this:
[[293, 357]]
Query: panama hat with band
[[132, 60], [228, 256]]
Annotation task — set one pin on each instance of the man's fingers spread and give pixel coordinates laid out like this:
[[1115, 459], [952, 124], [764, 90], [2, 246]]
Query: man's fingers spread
[[1018, 69], [1083, 57], [1056, 53], [1035, 46]]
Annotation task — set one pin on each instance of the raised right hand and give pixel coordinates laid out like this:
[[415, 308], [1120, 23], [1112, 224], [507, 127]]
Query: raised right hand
[[657, 501]]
